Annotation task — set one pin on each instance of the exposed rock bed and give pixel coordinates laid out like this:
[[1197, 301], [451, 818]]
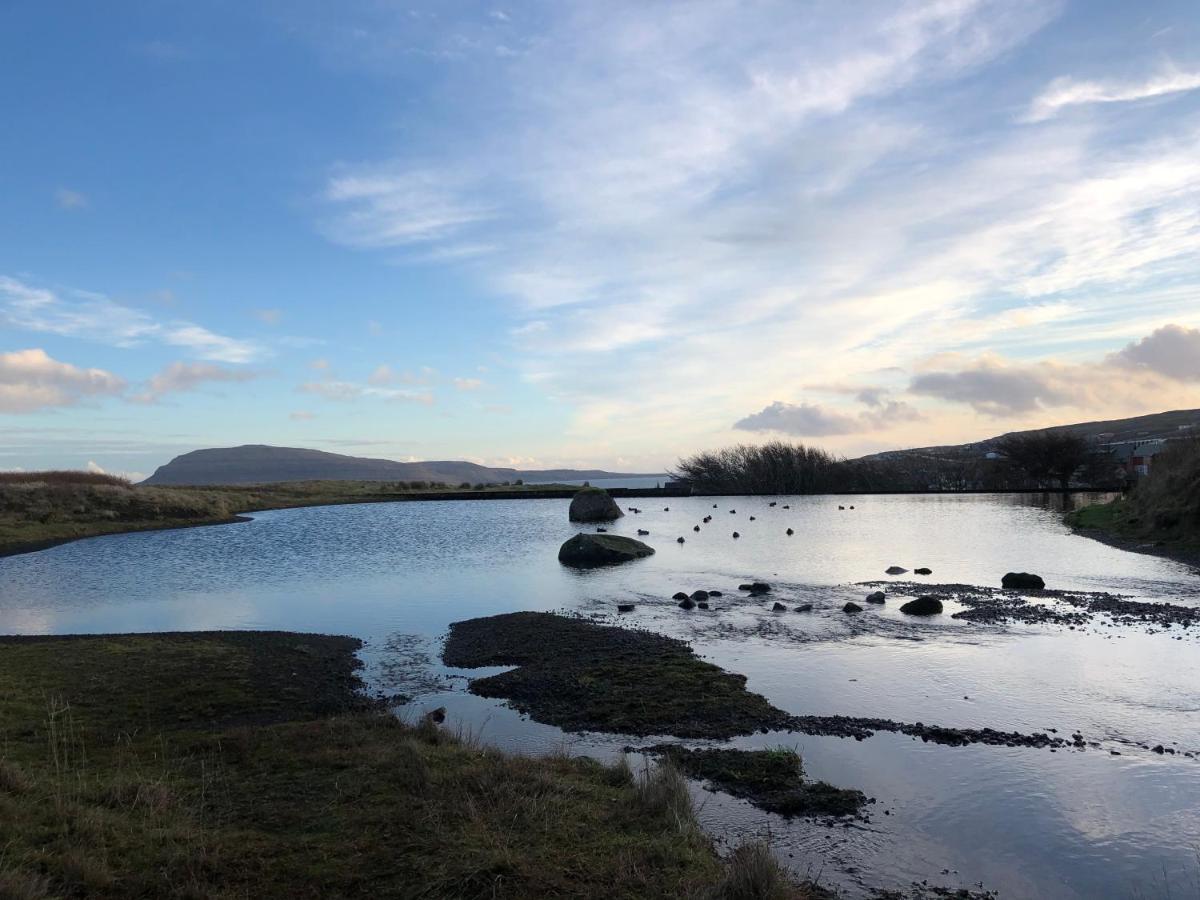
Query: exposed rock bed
[[1056, 607], [860, 728], [584, 676]]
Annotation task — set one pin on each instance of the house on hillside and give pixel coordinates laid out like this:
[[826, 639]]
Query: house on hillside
[[1136, 457]]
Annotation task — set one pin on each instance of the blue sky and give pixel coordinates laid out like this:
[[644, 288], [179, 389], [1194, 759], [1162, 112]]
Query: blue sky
[[590, 234]]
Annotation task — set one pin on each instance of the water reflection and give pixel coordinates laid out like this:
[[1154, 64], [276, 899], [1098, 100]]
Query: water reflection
[[1029, 822]]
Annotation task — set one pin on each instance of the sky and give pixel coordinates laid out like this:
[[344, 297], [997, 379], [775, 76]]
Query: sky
[[607, 234]]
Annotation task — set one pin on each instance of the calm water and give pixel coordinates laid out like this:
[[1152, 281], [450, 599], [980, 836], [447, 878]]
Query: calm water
[[1025, 822]]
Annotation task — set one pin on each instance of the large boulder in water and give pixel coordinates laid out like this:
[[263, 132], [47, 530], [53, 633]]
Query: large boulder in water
[[1023, 581], [594, 505], [922, 606], [585, 551]]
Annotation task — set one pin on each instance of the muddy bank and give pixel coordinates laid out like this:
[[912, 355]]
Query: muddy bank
[[579, 675], [584, 676]]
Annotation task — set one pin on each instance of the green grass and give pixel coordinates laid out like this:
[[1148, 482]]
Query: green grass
[[242, 765]]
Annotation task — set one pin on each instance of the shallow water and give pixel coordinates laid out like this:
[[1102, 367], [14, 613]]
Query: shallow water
[[1025, 822]]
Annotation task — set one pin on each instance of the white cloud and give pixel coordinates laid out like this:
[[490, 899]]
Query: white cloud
[[302, 415], [382, 209], [814, 420], [1172, 350], [95, 317], [1158, 371], [699, 211], [269, 316], [179, 377], [31, 380], [1067, 91], [468, 384], [344, 391], [68, 199]]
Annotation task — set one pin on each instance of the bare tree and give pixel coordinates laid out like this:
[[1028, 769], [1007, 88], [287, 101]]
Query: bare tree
[[1046, 455]]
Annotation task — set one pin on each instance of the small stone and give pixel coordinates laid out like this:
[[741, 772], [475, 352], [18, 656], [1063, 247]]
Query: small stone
[[779, 607], [852, 607]]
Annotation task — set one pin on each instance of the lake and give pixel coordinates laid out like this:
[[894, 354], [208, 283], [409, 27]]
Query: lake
[[1024, 822]]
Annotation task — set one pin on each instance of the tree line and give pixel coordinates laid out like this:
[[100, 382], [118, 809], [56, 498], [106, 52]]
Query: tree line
[[1039, 459]]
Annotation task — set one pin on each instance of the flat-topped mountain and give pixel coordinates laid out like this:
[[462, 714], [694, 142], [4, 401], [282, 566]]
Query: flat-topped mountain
[[263, 464]]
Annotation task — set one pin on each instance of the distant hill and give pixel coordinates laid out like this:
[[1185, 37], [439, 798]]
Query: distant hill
[[263, 464], [1156, 426]]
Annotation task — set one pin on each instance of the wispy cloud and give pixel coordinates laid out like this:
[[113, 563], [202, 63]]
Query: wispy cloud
[[345, 391], [395, 209], [1066, 91], [94, 317], [31, 380], [69, 199], [180, 377], [701, 212]]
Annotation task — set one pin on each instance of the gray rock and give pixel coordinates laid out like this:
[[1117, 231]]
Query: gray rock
[[896, 570], [877, 597], [679, 595], [699, 595], [585, 551], [804, 607], [756, 587], [852, 607], [594, 505], [1023, 581], [779, 607], [922, 606], [923, 571], [687, 604], [624, 607]]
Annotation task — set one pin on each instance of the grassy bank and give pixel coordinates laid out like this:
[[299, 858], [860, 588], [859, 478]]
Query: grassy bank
[[245, 764], [1161, 514], [41, 509]]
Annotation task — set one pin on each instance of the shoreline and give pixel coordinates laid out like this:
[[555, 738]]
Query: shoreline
[[1187, 556], [21, 547]]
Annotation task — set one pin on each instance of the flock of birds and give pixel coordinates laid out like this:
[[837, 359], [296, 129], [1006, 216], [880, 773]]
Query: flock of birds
[[642, 532]]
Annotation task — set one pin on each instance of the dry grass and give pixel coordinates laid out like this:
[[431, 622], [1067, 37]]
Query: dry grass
[[64, 476]]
